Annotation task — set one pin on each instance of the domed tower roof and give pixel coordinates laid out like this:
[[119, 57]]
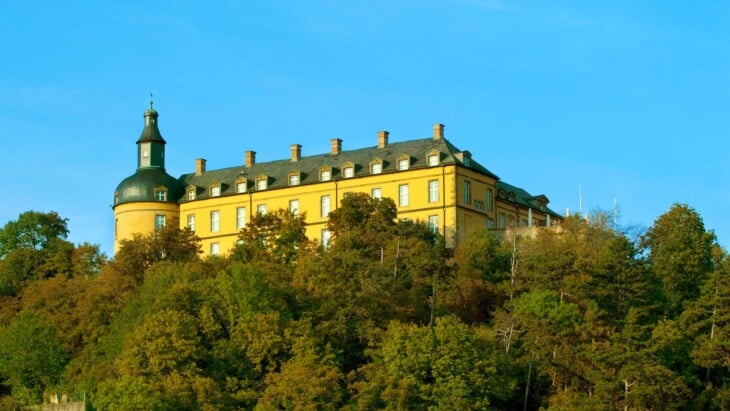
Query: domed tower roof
[[150, 182]]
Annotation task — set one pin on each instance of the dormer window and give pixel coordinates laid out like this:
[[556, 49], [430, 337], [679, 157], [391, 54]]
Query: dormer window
[[376, 167], [294, 179], [404, 162], [348, 170], [191, 194], [325, 174], [241, 185], [161, 194], [262, 183], [432, 159], [215, 190]]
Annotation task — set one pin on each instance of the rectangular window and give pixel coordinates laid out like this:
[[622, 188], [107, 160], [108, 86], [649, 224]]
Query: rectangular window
[[500, 220], [241, 187], [403, 195], [240, 217], [160, 221], [490, 224], [433, 160], [191, 194], [467, 192], [348, 172], [294, 207], [215, 249], [403, 164], [376, 193], [490, 200], [325, 175], [261, 209], [215, 191], [325, 206], [433, 223], [294, 180], [376, 168], [479, 204], [261, 184], [191, 222], [433, 191], [326, 235], [160, 195], [215, 221]]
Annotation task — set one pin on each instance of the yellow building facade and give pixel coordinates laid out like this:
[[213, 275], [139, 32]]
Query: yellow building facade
[[429, 179]]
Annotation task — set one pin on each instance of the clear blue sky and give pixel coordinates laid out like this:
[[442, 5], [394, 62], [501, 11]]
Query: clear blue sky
[[626, 99]]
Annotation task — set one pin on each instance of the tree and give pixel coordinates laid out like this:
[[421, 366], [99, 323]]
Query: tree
[[680, 253], [32, 230], [277, 236], [31, 359]]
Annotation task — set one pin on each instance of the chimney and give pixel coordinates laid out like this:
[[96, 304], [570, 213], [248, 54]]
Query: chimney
[[438, 131], [336, 146], [250, 157], [296, 152], [199, 166], [382, 138]]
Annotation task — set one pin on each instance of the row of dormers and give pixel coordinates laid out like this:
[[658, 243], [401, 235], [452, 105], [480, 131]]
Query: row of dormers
[[295, 177]]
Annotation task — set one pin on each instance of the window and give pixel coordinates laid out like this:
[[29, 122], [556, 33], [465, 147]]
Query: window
[[294, 207], [191, 194], [490, 224], [215, 221], [348, 172], [191, 222], [376, 168], [160, 194], [215, 191], [293, 179], [467, 192], [261, 184], [479, 204], [403, 163], [261, 209], [376, 193], [325, 175], [433, 223], [490, 200], [215, 249], [403, 195], [160, 221], [325, 206], [241, 187], [433, 191], [326, 235], [240, 217], [512, 221], [500, 220], [433, 160]]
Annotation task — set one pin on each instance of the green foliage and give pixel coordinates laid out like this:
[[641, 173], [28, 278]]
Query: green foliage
[[32, 230], [31, 359]]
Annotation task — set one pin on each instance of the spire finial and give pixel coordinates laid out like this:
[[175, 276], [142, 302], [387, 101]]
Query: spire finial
[[151, 102]]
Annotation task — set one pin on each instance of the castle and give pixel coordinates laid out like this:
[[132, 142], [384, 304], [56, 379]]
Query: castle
[[429, 179]]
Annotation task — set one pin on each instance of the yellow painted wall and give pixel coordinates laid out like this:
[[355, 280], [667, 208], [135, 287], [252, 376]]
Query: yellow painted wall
[[131, 218]]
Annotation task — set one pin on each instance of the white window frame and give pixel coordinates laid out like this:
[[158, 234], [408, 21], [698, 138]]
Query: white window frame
[[433, 191], [294, 206], [215, 221], [160, 221], [326, 236], [325, 175], [490, 200], [433, 223], [467, 192], [433, 160], [261, 209], [376, 168], [192, 194], [191, 222], [215, 191], [293, 179], [348, 172], [403, 195], [241, 187], [404, 164], [261, 184], [240, 217], [325, 206], [215, 248], [376, 192]]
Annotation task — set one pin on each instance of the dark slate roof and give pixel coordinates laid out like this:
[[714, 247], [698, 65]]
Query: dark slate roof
[[522, 197], [151, 130], [309, 167], [141, 186]]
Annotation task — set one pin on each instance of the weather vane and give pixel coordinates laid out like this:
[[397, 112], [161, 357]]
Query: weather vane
[[151, 102]]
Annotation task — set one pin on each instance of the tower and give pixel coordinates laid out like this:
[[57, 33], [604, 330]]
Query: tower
[[147, 199]]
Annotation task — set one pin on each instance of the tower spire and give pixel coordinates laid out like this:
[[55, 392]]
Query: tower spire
[[151, 102]]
